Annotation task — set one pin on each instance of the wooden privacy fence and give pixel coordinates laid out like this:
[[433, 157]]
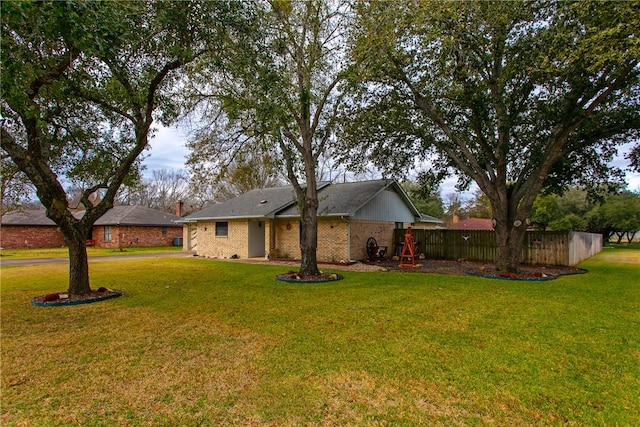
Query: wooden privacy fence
[[540, 247]]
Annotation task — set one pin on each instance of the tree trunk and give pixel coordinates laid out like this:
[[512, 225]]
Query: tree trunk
[[78, 266], [309, 236], [509, 240]]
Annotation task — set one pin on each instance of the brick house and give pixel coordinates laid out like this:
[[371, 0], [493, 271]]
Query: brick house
[[29, 229], [267, 222], [120, 226]]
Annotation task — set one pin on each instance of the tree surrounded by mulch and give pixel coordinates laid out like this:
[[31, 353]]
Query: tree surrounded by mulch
[[63, 298], [482, 269]]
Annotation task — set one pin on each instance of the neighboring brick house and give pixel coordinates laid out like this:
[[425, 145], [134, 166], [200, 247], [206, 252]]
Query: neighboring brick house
[[29, 229], [267, 222], [125, 226], [121, 226]]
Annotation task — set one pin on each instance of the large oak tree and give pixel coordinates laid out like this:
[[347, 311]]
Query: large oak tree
[[278, 96], [516, 96], [82, 83]]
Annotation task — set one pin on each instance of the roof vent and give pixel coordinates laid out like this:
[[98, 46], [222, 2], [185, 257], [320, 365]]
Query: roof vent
[[262, 202]]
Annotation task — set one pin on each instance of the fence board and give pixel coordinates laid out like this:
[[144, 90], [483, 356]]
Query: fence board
[[539, 247]]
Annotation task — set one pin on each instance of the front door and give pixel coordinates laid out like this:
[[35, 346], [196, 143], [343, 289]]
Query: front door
[[256, 238]]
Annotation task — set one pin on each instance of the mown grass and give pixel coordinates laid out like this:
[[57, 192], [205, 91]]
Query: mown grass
[[201, 342], [91, 252]]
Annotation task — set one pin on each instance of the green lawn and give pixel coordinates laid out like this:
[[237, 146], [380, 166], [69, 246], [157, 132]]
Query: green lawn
[[202, 342], [91, 251]]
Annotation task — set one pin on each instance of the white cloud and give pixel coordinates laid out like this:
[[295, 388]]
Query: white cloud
[[167, 150]]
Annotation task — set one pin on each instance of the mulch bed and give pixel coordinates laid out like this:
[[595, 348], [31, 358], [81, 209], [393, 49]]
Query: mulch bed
[[62, 298], [294, 277], [461, 267]]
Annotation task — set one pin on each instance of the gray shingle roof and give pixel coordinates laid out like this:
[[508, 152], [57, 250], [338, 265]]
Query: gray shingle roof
[[118, 215], [344, 199], [334, 200], [27, 217], [429, 218], [259, 203], [137, 216]]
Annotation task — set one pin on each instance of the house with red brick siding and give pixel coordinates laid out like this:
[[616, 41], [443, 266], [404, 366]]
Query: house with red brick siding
[[266, 222], [29, 229], [119, 227]]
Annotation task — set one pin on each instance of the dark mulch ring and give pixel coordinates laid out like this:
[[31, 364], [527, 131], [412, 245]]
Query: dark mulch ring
[[294, 277], [483, 269], [63, 298]]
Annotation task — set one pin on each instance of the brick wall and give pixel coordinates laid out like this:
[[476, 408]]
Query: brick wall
[[332, 239], [236, 242], [362, 230], [50, 237], [125, 236], [22, 236], [287, 238], [333, 235]]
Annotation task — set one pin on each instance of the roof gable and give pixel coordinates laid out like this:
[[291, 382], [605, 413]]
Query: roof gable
[[346, 199]]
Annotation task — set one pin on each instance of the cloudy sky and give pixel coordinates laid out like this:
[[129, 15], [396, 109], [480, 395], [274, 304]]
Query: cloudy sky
[[168, 151]]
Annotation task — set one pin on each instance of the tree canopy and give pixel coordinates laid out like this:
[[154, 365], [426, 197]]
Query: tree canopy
[[516, 96], [82, 83], [618, 214], [277, 97]]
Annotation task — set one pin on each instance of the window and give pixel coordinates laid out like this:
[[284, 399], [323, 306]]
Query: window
[[107, 233], [399, 225], [222, 228], [164, 231]]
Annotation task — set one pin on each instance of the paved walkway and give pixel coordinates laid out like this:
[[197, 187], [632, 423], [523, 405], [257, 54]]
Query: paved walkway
[[37, 261]]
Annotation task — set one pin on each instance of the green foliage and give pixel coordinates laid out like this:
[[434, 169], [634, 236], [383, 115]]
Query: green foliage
[[634, 158], [87, 93], [516, 96], [82, 83], [618, 213], [426, 200], [568, 223], [545, 210], [274, 97]]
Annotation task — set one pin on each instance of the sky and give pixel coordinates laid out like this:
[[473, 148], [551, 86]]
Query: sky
[[168, 151]]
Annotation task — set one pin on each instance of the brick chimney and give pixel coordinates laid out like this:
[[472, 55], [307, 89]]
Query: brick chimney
[[179, 206]]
